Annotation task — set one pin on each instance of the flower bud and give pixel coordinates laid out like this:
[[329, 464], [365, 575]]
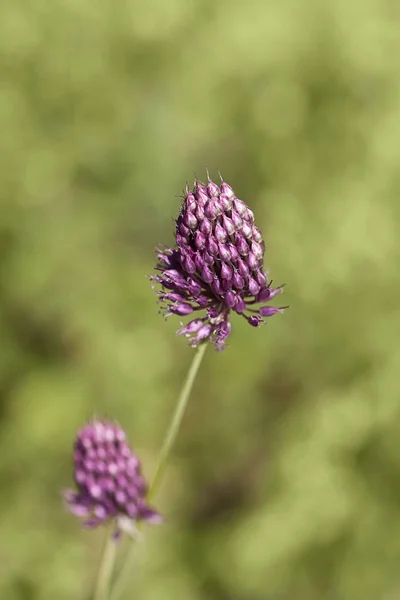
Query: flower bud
[[217, 264], [108, 478]]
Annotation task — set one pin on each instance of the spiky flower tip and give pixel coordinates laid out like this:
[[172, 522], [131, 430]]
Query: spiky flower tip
[[217, 265], [108, 477]]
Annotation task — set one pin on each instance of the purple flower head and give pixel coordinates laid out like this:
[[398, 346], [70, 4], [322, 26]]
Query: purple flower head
[[108, 478], [217, 265]]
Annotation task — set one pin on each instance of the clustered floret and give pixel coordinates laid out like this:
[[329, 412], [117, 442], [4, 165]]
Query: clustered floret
[[216, 266], [108, 478]]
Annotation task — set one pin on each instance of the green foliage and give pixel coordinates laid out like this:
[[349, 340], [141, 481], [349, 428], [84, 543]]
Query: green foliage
[[286, 480]]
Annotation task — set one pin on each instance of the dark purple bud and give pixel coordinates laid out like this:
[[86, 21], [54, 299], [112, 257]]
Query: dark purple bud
[[200, 189], [190, 220], [177, 277], [254, 321], [219, 207], [199, 212], [206, 274], [206, 227], [189, 265], [246, 230], [208, 259], [262, 280], [240, 305], [257, 250], [249, 216], [230, 299], [226, 284], [181, 309], [228, 225], [184, 231], [226, 271], [257, 235], [165, 259], [190, 208], [190, 199], [238, 281], [217, 287], [236, 220], [252, 262], [226, 202], [242, 245], [212, 246], [194, 288], [240, 207], [200, 240], [227, 190], [268, 311], [210, 210], [253, 286], [264, 295], [181, 240], [173, 297], [199, 261], [220, 233], [201, 196], [212, 189], [234, 253], [203, 301], [224, 253], [269, 293], [243, 269]]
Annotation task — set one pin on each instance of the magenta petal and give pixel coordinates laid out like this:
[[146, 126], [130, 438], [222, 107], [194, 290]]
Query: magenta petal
[[182, 309], [269, 311]]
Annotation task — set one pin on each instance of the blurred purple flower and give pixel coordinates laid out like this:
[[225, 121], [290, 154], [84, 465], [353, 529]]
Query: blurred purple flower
[[217, 265], [108, 478]]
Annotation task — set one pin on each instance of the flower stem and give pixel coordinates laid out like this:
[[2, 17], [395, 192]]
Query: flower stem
[[162, 462], [106, 567], [176, 421]]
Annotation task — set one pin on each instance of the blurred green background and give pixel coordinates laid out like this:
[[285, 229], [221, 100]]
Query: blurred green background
[[285, 483]]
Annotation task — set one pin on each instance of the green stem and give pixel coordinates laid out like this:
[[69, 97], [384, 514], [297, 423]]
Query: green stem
[[106, 567], [162, 462], [176, 421]]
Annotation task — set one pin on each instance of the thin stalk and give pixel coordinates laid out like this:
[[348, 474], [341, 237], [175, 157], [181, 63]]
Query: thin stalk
[[176, 420], [162, 462], [106, 567]]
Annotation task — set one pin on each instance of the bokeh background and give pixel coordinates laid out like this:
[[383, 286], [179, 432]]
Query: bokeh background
[[285, 483]]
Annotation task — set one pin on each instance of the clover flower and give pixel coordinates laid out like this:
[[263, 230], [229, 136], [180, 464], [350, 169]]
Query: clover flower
[[217, 265], [108, 478]]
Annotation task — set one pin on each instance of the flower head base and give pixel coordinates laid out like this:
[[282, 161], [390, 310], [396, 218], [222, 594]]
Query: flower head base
[[216, 266], [109, 481]]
